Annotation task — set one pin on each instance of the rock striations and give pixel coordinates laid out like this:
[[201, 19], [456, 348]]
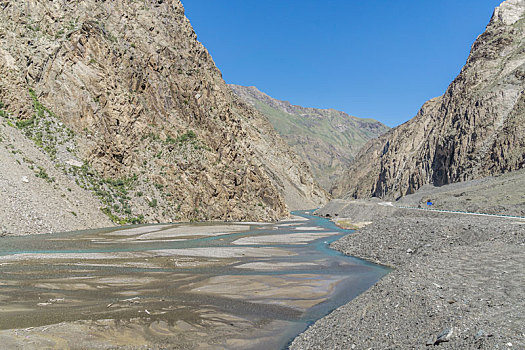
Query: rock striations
[[476, 129], [325, 138], [146, 122]]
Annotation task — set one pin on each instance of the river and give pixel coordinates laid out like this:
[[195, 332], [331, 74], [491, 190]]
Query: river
[[181, 286]]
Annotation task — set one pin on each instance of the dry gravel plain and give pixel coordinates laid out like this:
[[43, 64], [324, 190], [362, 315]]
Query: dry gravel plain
[[458, 282]]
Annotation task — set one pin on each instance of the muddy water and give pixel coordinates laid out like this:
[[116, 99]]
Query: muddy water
[[217, 286]]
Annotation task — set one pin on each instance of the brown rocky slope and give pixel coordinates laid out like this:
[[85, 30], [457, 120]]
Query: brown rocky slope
[[326, 139], [144, 115], [476, 129]]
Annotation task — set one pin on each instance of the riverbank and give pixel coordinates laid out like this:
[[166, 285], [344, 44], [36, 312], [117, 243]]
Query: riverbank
[[454, 275]]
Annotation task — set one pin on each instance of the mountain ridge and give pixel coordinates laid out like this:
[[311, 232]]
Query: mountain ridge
[[327, 139]]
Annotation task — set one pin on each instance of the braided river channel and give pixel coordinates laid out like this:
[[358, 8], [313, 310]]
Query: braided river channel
[[175, 286]]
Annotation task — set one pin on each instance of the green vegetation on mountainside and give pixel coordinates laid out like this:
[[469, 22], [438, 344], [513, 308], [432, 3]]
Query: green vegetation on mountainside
[[326, 139], [293, 124]]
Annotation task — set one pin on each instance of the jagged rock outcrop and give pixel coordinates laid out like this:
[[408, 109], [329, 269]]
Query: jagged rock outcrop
[[476, 129], [151, 115], [326, 139]]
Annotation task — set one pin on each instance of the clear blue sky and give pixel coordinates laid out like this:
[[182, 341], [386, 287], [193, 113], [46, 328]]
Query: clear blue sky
[[376, 58]]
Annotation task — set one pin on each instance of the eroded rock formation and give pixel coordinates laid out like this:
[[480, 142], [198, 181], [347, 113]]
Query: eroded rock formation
[[149, 110], [476, 129]]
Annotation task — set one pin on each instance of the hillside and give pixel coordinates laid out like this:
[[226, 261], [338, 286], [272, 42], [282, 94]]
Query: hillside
[[476, 129], [122, 99], [503, 194], [35, 196], [327, 139]]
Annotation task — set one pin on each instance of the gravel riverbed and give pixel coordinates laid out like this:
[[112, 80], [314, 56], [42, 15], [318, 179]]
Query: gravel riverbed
[[458, 282]]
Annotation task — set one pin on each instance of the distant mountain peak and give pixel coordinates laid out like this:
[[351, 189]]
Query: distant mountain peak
[[327, 139], [509, 12]]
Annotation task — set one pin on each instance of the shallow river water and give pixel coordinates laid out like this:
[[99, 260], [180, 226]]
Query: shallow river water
[[217, 286]]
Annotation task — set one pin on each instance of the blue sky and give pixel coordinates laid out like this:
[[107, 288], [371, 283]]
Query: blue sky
[[376, 58]]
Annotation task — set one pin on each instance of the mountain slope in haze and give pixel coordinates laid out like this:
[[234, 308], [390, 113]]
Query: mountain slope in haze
[[476, 129], [327, 139], [151, 128]]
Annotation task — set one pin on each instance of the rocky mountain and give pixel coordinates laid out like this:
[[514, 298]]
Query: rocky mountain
[[327, 139], [125, 102], [476, 129], [36, 196]]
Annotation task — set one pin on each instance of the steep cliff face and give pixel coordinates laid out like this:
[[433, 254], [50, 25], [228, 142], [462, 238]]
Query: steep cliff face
[[327, 139], [476, 129], [149, 112]]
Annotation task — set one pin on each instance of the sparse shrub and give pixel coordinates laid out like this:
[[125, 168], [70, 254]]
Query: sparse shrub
[[170, 140], [188, 136], [3, 113], [22, 124], [43, 175]]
